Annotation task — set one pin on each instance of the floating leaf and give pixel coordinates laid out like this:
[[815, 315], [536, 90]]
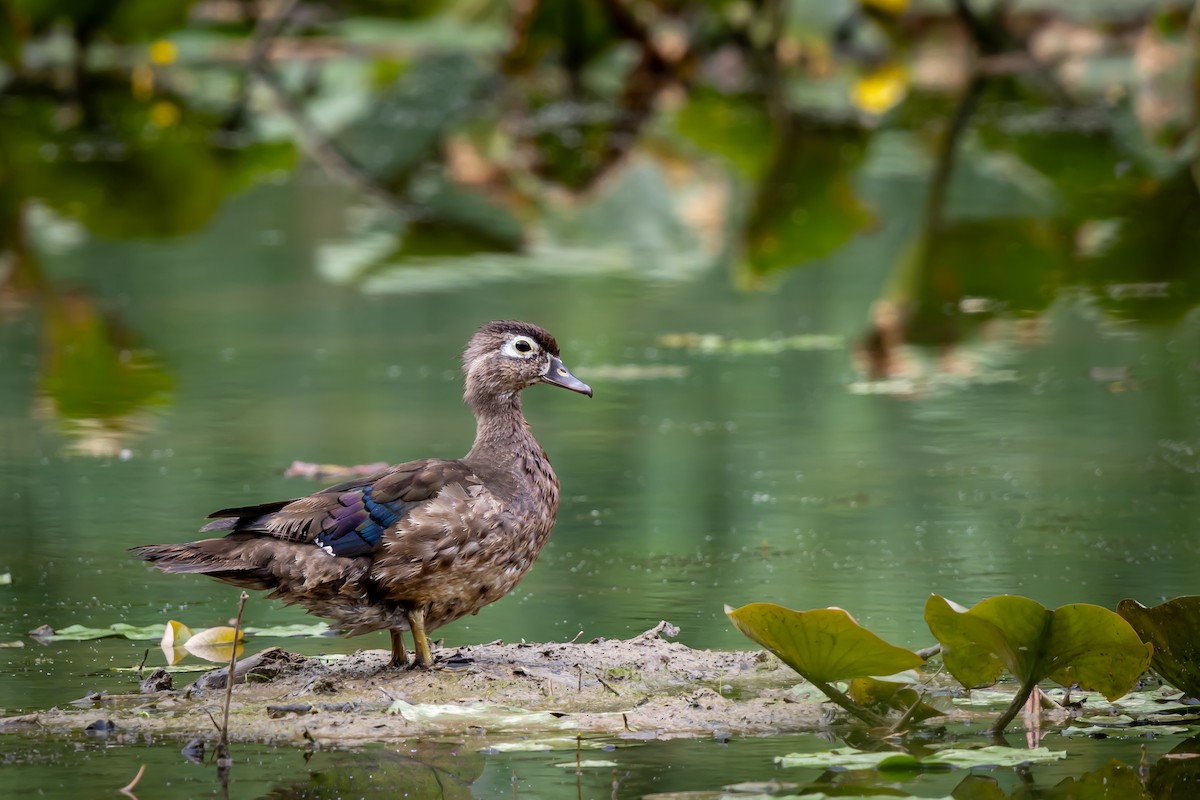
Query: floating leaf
[[1125, 731], [823, 645], [81, 633], [172, 668], [991, 756], [1075, 644], [1173, 628], [215, 644], [298, 629], [175, 635]]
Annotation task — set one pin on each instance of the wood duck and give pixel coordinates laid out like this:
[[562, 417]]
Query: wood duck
[[417, 545]]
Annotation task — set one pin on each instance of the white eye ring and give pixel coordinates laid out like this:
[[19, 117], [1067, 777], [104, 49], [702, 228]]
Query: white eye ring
[[520, 347]]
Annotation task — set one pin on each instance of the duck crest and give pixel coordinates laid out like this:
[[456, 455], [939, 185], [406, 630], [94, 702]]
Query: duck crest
[[420, 544]]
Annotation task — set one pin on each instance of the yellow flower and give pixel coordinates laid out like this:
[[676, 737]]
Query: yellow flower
[[163, 52], [881, 90], [164, 114], [892, 7]]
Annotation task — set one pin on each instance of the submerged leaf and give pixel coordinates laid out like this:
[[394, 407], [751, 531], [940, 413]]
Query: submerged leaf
[[1173, 628], [823, 645]]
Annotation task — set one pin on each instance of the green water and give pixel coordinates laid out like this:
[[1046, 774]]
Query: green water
[[183, 314], [752, 477]]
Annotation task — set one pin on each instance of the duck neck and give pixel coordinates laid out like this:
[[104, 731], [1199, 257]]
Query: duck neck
[[503, 440]]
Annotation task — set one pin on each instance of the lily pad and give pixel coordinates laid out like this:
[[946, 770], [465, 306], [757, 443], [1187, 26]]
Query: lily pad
[[991, 756], [82, 633], [298, 629], [1075, 644], [1173, 628], [824, 644], [1126, 731]]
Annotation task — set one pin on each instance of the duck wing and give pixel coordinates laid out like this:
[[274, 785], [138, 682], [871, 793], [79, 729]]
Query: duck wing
[[348, 519]]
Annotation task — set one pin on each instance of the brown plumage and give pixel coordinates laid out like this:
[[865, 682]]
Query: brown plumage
[[417, 545]]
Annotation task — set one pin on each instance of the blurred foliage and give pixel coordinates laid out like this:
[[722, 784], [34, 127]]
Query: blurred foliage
[[677, 135], [161, 159], [118, 21]]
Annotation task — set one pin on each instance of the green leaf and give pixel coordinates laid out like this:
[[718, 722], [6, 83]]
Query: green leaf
[[890, 695], [1173, 628], [1076, 644], [1125, 731], [1096, 649], [81, 633], [978, 644], [992, 756], [823, 645], [297, 629], [1113, 780]]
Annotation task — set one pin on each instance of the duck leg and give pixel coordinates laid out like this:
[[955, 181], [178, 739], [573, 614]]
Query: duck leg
[[399, 657], [416, 624]]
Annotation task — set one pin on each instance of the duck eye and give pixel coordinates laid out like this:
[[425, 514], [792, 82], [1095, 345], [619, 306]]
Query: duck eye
[[523, 346]]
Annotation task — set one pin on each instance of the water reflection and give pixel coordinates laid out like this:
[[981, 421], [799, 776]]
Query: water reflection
[[655, 769], [422, 770]]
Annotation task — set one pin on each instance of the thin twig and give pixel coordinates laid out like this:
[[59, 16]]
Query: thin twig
[[128, 788], [223, 743], [604, 683]]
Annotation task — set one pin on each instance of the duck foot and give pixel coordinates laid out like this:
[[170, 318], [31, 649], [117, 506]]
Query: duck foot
[[399, 656], [416, 624]]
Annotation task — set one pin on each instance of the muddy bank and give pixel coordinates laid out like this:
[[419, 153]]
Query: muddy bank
[[644, 687]]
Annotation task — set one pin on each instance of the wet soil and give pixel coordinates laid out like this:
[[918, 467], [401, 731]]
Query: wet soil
[[644, 687]]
